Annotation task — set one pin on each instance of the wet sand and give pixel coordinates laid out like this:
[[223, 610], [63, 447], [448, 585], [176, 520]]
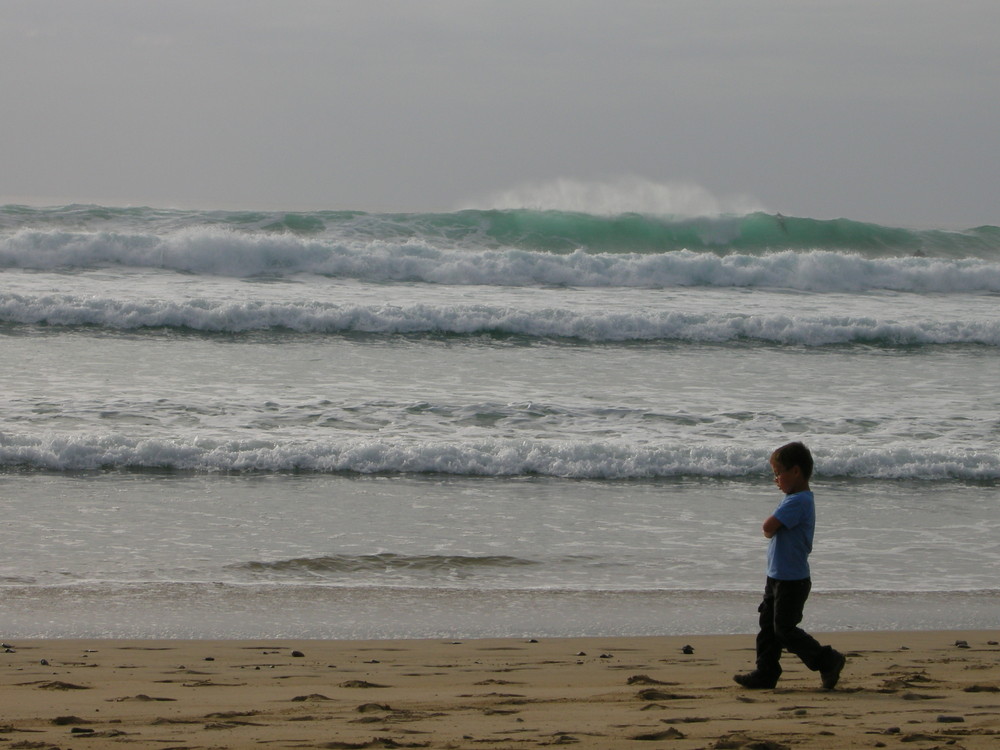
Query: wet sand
[[928, 689]]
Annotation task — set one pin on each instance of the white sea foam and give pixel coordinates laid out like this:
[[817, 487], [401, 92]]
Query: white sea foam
[[492, 457], [620, 195], [217, 251], [592, 326]]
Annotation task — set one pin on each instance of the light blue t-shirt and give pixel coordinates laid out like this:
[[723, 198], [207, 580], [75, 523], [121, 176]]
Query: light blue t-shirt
[[788, 552]]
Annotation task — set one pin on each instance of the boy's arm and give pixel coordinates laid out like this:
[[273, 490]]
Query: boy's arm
[[771, 526]]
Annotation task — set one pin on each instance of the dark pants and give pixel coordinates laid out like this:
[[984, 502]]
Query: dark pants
[[780, 615]]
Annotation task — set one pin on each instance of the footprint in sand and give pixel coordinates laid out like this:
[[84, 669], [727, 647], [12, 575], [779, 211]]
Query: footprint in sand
[[642, 679], [360, 684], [56, 685], [141, 697]]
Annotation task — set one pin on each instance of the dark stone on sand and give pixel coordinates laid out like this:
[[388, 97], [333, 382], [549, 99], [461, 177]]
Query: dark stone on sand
[[81, 730], [687, 650], [44, 662], [950, 719], [962, 644], [297, 654], [209, 658]]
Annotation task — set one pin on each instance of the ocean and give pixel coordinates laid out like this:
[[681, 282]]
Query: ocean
[[530, 423]]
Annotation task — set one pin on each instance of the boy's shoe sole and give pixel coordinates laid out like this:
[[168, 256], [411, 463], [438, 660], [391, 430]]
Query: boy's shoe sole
[[754, 681], [832, 676]]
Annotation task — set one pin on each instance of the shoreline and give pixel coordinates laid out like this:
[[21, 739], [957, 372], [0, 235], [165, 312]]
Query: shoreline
[[612, 692], [226, 611]]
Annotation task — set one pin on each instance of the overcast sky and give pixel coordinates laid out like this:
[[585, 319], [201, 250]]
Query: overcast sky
[[877, 110]]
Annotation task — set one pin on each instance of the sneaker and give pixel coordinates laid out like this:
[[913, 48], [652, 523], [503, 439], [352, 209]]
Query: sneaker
[[832, 675], [755, 681]]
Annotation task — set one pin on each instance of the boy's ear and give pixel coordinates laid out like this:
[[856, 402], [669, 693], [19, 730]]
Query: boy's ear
[[796, 470]]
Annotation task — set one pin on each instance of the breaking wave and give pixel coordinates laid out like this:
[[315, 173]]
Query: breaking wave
[[227, 254], [615, 460], [312, 317], [383, 562], [515, 228], [510, 248]]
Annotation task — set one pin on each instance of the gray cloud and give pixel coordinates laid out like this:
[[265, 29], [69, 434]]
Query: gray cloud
[[878, 111]]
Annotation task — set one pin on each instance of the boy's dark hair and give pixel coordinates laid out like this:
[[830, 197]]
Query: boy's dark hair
[[795, 454]]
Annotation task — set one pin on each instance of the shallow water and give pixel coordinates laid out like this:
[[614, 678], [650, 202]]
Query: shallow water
[[320, 556]]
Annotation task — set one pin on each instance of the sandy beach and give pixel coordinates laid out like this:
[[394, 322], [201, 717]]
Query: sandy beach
[[915, 689]]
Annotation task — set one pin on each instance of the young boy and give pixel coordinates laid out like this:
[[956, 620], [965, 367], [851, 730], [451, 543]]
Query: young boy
[[790, 530]]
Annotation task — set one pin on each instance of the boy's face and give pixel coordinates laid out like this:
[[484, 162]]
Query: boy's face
[[789, 481]]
